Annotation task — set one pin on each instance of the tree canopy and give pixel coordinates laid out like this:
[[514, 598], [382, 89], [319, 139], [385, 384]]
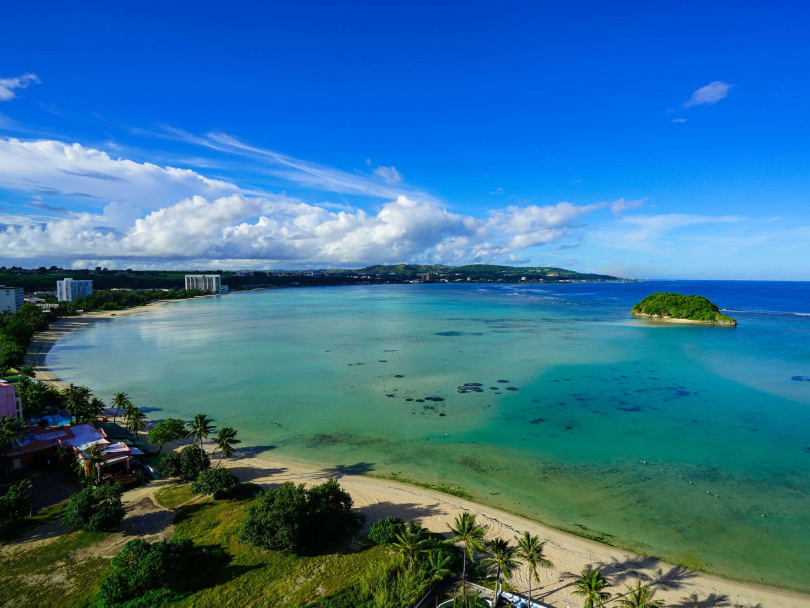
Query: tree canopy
[[292, 518], [95, 508], [186, 464], [678, 306]]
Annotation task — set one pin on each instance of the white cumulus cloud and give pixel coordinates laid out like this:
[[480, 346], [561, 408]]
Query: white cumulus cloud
[[143, 214]]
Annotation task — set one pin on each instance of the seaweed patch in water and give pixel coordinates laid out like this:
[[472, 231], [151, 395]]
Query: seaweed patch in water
[[511, 388], [504, 381], [434, 398], [800, 378], [629, 409], [398, 376], [538, 420]]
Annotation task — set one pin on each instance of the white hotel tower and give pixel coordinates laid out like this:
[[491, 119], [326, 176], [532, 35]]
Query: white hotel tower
[[70, 289], [204, 282]]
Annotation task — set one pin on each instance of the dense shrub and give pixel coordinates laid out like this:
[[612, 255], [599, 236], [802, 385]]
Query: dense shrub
[[291, 518], [215, 481], [95, 508], [16, 502], [186, 464], [384, 531], [149, 574]]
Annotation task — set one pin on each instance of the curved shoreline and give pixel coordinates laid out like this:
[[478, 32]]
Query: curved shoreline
[[376, 497]]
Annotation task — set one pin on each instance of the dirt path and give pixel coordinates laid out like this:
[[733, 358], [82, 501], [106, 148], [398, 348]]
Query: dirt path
[[144, 518]]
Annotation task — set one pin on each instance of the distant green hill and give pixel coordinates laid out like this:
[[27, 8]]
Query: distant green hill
[[676, 306], [477, 271]]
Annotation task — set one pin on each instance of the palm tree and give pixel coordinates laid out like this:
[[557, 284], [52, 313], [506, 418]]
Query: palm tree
[[119, 401], [412, 543], [95, 408], [11, 429], [437, 566], [226, 442], [34, 399], [466, 531], [91, 459], [200, 428], [135, 420], [503, 560], [75, 399], [590, 586], [530, 550], [639, 596]]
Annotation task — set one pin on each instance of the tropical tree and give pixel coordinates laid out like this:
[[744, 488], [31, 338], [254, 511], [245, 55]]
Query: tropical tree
[[11, 430], [76, 399], [94, 409], [27, 371], [591, 585], [91, 460], [16, 502], [412, 543], [226, 443], [466, 531], [120, 401], [530, 550], [436, 565], [503, 561], [135, 420], [33, 396], [640, 596], [165, 431], [95, 508], [200, 428]]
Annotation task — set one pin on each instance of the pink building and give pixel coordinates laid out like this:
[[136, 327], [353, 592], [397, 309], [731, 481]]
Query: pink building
[[10, 404]]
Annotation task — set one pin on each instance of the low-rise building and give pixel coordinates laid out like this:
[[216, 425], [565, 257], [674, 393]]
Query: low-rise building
[[11, 298], [41, 442], [68, 289]]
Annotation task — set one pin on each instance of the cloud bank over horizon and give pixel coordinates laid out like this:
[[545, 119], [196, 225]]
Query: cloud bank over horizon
[[142, 214]]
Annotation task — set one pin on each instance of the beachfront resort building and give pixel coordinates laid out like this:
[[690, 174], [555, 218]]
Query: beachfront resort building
[[10, 403], [11, 298], [41, 443], [204, 282], [68, 290]]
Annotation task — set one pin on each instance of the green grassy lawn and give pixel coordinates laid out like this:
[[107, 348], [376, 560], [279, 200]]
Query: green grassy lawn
[[173, 496], [11, 529], [254, 577], [49, 576]]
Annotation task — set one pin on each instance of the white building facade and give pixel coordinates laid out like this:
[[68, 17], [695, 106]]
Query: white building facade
[[68, 290], [204, 282], [11, 298]]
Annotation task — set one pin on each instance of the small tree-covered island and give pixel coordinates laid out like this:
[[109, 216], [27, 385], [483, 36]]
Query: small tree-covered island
[[679, 308]]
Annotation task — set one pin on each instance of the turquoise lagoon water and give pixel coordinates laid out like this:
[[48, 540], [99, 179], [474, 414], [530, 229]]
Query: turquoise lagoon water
[[586, 419]]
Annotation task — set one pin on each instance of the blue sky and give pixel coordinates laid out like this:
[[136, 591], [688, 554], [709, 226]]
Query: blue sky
[[625, 138]]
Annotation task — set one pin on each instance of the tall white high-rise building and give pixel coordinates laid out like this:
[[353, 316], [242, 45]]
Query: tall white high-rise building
[[11, 298], [68, 290], [204, 282]]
